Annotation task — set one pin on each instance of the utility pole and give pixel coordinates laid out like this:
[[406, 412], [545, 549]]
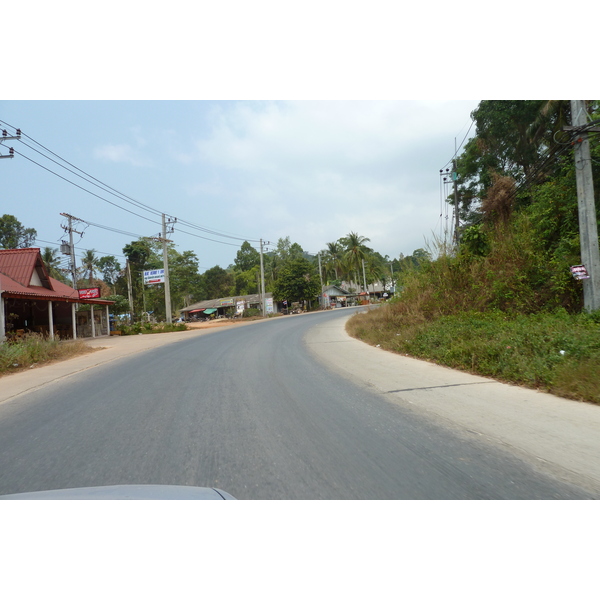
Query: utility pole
[[588, 228], [321, 278], [129, 293], [71, 231], [455, 180], [171, 223], [262, 282]]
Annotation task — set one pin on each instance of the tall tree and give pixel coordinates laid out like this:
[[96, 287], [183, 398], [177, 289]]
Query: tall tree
[[89, 264], [355, 252], [246, 258], [298, 281], [14, 235], [51, 259], [218, 282], [110, 268], [334, 258]]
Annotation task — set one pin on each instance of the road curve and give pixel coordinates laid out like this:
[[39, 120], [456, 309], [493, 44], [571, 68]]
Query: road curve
[[262, 413]]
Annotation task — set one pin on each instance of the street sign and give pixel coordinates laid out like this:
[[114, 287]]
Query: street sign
[[152, 277]]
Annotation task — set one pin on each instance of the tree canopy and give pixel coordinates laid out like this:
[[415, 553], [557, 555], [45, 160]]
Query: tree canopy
[[14, 235]]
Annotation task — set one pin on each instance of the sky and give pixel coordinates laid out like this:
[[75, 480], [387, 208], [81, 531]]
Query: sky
[[312, 171]]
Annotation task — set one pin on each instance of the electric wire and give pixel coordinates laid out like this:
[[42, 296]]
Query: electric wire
[[116, 193], [461, 144]]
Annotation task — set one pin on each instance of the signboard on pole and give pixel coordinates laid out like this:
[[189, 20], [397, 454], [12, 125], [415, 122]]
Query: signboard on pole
[[89, 293], [152, 277], [579, 272]]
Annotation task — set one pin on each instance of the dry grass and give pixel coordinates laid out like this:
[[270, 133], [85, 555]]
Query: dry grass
[[34, 350]]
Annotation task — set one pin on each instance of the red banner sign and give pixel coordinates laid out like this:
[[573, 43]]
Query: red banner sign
[[89, 293]]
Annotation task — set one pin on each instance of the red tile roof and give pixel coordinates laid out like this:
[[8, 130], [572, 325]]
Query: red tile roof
[[16, 270]]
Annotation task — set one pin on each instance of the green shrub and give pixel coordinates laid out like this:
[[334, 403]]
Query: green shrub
[[557, 352]]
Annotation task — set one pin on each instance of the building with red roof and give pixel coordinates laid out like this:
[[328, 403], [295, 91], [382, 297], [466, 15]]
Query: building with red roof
[[31, 300]]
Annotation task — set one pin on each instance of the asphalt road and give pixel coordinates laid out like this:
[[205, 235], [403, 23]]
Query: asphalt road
[[252, 411]]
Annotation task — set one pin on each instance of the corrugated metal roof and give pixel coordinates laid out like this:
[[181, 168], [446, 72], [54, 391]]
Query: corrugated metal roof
[[20, 263], [217, 303]]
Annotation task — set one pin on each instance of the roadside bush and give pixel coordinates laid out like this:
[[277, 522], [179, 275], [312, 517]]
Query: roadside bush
[[556, 352], [34, 349], [146, 328]]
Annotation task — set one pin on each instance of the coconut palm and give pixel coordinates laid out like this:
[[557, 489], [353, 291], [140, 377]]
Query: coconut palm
[[52, 261], [355, 252], [334, 258], [89, 264]]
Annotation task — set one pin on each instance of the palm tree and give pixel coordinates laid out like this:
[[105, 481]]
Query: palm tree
[[89, 264], [52, 261], [355, 252], [374, 270], [334, 258]]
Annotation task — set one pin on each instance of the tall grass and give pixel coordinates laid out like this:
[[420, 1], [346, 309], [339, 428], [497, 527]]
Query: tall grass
[[35, 349]]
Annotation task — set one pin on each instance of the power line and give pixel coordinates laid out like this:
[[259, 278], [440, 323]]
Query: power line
[[82, 188], [116, 193], [461, 144]]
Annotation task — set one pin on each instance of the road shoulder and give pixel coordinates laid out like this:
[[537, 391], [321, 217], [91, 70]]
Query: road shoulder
[[556, 435]]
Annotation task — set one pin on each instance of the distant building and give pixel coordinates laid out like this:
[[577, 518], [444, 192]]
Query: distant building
[[229, 305]]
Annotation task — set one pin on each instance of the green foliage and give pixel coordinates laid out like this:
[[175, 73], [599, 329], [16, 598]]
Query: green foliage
[[298, 281], [147, 328], [218, 282], [121, 305], [247, 258], [110, 268], [14, 235], [556, 352], [51, 259], [474, 240]]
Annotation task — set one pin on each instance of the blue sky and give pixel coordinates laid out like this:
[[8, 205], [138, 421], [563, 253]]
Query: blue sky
[[310, 170]]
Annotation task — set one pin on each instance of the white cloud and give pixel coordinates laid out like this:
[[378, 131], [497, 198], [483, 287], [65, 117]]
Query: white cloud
[[122, 153], [317, 170]]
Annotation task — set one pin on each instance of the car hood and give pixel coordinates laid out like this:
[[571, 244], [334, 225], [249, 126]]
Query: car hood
[[126, 492]]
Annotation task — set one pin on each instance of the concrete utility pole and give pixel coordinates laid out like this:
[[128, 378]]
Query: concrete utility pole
[[71, 231], [263, 301], [455, 180], [588, 228], [321, 278], [129, 293], [170, 222]]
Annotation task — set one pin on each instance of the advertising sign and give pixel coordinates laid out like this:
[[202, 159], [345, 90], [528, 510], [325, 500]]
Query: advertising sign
[[579, 272], [152, 277], [89, 293]]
